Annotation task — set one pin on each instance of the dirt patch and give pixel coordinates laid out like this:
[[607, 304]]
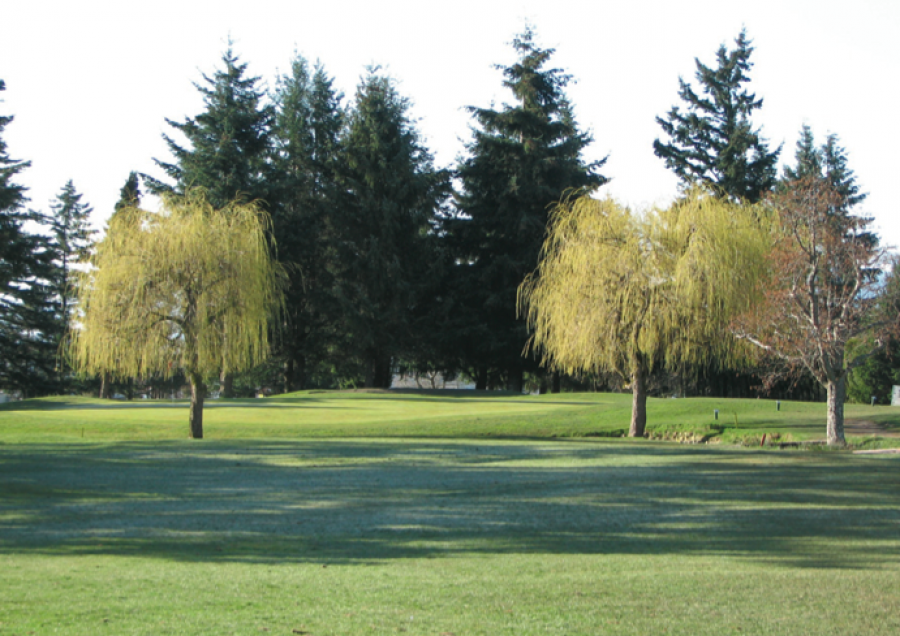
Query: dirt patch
[[866, 428]]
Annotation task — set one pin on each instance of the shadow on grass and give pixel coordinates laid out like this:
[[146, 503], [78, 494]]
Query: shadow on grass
[[351, 501]]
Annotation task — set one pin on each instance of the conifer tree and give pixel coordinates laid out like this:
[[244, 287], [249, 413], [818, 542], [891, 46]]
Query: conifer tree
[[228, 141], [27, 354], [829, 161], [391, 194], [15, 246], [521, 160], [72, 240], [130, 194], [306, 134], [713, 141]]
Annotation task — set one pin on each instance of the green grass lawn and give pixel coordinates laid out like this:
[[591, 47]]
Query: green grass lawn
[[445, 414], [363, 513]]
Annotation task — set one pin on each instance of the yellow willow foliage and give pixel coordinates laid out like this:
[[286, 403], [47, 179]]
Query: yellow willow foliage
[[189, 287], [615, 290]]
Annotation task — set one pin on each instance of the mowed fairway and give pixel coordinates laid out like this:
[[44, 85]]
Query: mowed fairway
[[434, 514]]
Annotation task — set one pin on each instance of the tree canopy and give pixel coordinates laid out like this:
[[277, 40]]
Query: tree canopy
[[820, 291], [521, 160], [390, 195], [229, 140], [631, 294], [29, 327], [185, 288], [713, 141]]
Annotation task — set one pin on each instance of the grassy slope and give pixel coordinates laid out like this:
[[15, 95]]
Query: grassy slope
[[134, 530]]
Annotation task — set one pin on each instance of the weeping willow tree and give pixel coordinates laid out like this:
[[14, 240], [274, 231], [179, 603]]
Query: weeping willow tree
[[189, 288], [625, 293]]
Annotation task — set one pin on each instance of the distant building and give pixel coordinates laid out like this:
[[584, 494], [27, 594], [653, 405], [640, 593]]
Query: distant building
[[895, 396]]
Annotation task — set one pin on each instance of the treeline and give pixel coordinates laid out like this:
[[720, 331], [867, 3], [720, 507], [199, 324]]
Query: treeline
[[394, 264]]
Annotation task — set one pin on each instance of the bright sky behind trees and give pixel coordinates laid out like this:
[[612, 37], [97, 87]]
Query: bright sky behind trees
[[90, 83]]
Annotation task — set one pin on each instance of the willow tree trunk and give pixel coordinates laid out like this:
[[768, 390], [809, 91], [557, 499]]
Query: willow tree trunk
[[105, 386], [835, 425], [638, 405], [198, 393]]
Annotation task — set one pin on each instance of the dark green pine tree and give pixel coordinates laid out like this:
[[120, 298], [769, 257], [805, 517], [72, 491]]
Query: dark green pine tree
[[521, 160], [72, 241], [306, 135], [713, 141], [130, 194], [14, 244], [228, 141], [391, 195], [829, 162], [27, 353]]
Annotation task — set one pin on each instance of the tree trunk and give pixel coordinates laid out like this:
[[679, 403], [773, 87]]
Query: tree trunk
[[198, 392], [556, 383], [383, 374], [378, 372], [481, 379], [105, 386], [227, 379], [288, 375], [638, 404], [299, 373], [514, 378], [835, 426]]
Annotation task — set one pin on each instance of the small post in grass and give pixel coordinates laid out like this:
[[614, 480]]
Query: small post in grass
[[716, 413], [777, 405]]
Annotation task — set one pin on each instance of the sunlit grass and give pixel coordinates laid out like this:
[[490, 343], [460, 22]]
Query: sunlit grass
[[475, 525], [447, 414]]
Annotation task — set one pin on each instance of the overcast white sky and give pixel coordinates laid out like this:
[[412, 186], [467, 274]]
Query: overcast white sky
[[90, 82]]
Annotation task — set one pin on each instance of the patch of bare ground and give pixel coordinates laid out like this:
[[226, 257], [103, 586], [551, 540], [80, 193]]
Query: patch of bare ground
[[867, 428]]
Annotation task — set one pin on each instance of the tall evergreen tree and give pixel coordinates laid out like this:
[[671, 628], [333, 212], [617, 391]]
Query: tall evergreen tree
[[829, 161], [391, 192], [521, 160], [306, 134], [228, 141], [27, 353], [130, 194], [72, 240], [713, 141]]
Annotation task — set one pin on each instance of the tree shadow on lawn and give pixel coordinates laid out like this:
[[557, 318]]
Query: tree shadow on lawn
[[350, 501]]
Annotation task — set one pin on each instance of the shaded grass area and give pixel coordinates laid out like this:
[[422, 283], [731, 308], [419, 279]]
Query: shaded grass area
[[448, 414], [442, 536]]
